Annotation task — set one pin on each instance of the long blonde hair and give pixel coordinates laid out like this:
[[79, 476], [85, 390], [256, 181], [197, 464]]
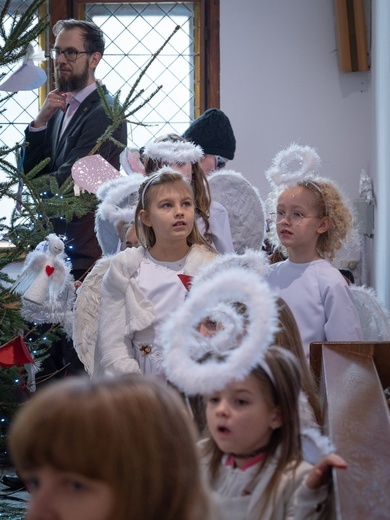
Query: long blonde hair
[[199, 182], [131, 433], [146, 234]]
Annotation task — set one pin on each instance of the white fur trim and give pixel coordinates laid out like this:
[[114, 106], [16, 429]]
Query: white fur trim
[[180, 152], [315, 445], [113, 194], [252, 260], [185, 346], [293, 164]]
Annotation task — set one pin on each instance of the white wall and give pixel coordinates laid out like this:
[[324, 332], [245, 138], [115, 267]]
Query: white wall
[[280, 82]]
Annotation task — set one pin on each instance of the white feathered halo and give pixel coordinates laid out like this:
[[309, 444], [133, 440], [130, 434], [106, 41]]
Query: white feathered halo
[[119, 198], [171, 152], [251, 259], [292, 165], [201, 365]]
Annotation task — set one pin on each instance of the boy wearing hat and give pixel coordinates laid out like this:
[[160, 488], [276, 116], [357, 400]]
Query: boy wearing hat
[[213, 132]]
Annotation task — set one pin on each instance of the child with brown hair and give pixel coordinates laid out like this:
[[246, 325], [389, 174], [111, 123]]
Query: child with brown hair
[[252, 457], [212, 218], [114, 449], [141, 286]]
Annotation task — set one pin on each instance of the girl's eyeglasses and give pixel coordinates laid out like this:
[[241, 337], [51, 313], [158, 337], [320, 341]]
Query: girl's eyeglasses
[[294, 217]]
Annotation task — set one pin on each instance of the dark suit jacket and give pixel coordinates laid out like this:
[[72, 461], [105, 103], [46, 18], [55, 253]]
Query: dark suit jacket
[[86, 126]]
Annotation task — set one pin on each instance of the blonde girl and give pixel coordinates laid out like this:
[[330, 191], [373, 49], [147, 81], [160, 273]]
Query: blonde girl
[[142, 285], [109, 450], [212, 217], [311, 220]]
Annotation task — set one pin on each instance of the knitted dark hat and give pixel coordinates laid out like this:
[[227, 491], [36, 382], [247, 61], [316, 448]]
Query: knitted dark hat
[[213, 132]]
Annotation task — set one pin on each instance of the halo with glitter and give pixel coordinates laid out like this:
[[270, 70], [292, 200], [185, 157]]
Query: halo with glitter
[[181, 152], [204, 364], [292, 165], [90, 172]]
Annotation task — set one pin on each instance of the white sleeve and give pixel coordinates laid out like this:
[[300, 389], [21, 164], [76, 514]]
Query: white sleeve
[[114, 349], [342, 321], [310, 504]]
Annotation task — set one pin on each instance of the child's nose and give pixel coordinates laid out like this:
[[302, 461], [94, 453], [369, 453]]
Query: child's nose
[[222, 407], [40, 507]]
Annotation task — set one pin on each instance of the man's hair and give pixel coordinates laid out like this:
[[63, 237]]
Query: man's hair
[[93, 35]]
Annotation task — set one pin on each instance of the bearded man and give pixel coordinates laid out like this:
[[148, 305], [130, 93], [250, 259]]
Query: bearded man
[[68, 125]]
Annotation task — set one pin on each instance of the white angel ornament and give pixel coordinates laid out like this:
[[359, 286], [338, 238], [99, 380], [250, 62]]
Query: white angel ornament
[[45, 272]]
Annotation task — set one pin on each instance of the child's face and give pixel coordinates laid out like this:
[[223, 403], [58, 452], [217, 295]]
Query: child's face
[[131, 239], [239, 418], [66, 496], [170, 213], [185, 169], [299, 224]]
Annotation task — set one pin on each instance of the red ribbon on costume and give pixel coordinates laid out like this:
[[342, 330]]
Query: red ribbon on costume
[[14, 353], [186, 280]]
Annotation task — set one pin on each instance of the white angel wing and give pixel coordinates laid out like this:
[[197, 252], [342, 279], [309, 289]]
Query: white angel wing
[[86, 314], [374, 318], [244, 206], [59, 277], [33, 265], [118, 202]]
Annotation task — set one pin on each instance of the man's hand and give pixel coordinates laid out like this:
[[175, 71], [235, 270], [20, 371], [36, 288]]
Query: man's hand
[[55, 101]]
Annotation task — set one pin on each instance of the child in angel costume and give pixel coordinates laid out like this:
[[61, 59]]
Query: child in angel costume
[[212, 218], [125, 297], [252, 458], [213, 132], [310, 221]]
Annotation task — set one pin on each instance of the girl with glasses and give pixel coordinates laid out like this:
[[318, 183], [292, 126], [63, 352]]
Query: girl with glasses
[[310, 222]]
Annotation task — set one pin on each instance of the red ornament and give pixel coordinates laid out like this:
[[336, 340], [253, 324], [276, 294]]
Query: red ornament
[[14, 352]]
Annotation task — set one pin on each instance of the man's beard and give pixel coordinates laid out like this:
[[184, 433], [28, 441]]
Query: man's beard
[[73, 83]]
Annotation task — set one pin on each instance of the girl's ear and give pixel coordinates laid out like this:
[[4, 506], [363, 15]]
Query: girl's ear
[[323, 226], [144, 217], [276, 418]]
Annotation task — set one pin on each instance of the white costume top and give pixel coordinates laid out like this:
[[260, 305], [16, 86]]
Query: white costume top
[[238, 493], [136, 293], [320, 300], [219, 229]]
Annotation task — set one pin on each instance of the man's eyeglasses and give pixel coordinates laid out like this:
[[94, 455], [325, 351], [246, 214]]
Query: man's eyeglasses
[[219, 162], [295, 217], [70, 54]]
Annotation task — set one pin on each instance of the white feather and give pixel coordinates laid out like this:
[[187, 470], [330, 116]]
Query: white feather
[[374, 317], [256, 261], [293, 164], [172, 152], [180, 336], [244, 205]]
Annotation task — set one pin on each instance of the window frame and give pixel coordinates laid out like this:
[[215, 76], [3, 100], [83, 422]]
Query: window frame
[[207, 88]]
